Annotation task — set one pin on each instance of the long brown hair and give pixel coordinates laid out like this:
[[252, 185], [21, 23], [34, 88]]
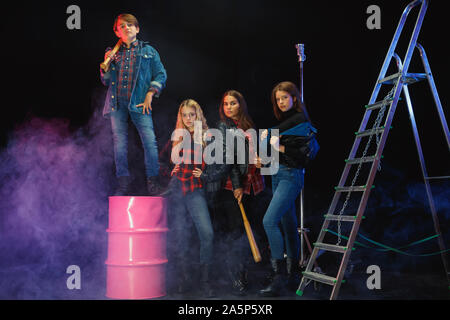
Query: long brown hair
[[245, 122], [290, 88]]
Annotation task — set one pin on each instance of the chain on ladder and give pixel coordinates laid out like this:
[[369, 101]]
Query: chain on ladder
[[376, 125]]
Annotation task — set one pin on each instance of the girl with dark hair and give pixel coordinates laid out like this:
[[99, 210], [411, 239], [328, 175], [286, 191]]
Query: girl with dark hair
[[297, 103], [280, 219], [238, 183]]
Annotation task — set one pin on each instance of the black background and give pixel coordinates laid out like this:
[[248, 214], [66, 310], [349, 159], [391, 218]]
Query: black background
[[208, 47]]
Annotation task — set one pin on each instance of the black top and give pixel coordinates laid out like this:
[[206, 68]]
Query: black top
[[292, 156], [290, 119]]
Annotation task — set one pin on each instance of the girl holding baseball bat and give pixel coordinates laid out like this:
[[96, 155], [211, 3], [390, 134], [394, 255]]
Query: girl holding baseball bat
[[286, 186], [187, 197], [240, 185]]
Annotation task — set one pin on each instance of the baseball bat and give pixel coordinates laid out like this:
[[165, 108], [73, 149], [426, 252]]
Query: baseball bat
[[105, 64], [251, 238]]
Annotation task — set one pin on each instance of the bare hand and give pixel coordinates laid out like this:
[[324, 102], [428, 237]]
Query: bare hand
[[147, 104], [275, 142], [175, 170], [238, 193], [111, 56], [258, 163], [197, 172], [264, 134]]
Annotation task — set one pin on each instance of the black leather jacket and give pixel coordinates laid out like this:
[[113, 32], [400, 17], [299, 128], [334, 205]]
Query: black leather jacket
[[215, 175]]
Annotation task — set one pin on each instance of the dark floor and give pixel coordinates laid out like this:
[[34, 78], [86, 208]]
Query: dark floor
[[394, 286], [401, 277], [30, 283]]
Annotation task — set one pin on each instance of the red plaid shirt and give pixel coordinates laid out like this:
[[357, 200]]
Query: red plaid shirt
[[253, 177], [125, 60], [188, 182]]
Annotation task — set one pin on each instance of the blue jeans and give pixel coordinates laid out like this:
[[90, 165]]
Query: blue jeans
[[195, 204], [144, 125], [286, 186]]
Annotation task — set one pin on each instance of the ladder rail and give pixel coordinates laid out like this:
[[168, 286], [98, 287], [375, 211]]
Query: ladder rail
[[392, 47], [423, 165], [365, 197], [434, 91], [377, 87], [413, 40]]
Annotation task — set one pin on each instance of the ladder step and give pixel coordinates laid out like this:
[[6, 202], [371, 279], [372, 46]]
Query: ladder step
[[340, 218], [330, 247], [434, 178], [349, 189], [359, 160], [409, 78], [379, 104], [390, 79], [370, 132], [414, 77], [319, 277]]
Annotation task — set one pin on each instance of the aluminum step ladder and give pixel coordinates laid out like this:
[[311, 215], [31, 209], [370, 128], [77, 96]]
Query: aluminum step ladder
[[398, 82]]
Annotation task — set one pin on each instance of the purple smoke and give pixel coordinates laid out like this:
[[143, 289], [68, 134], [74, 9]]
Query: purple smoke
[[54, 191]]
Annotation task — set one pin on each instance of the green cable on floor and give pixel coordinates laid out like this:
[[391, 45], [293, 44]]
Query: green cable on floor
[[387, 248]]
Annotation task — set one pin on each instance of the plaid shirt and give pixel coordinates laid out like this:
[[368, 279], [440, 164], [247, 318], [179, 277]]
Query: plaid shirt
[[125, 59], [253, 177], [188, 182]]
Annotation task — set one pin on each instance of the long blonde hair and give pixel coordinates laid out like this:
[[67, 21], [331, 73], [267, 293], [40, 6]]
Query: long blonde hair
[[191, 103]]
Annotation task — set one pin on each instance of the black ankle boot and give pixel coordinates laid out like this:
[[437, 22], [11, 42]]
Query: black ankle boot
[[239, 279], [183, 285], [278, 283], [293, 274], [123, 186], [205, 281], [153, 186]]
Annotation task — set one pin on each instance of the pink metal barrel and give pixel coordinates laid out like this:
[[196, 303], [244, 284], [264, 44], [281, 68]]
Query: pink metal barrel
[[135, 267]]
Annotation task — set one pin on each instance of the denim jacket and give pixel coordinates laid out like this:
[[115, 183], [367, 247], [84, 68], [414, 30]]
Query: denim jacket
[[150, 73]]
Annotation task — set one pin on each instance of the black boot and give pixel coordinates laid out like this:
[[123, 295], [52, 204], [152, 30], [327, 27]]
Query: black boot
[[205, 281], [183, 285], [153, 186], [239, 279], [278, 283], [123, 186], [293, 274]]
